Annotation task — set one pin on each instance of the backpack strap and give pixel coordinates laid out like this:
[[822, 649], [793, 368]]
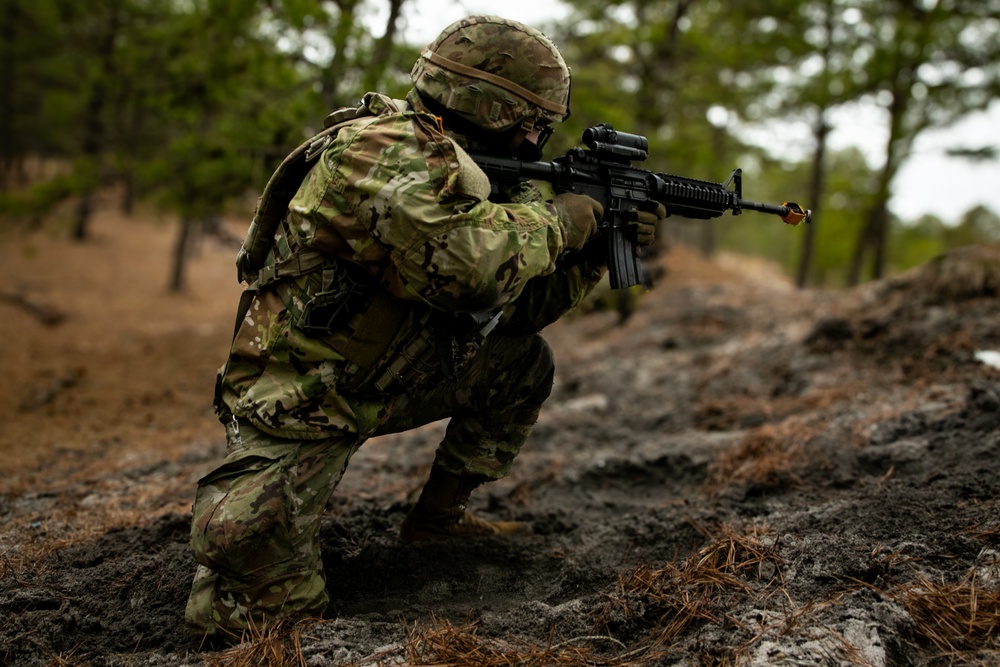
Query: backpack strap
[[251, 260], [281, 188]]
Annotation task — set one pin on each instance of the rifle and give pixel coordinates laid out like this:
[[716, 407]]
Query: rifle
[[604, 171]]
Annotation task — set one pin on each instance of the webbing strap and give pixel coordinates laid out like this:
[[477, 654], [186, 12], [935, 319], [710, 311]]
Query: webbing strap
[[246, 298], [279, 191], [414, 353], [298, 264], [499, 81]]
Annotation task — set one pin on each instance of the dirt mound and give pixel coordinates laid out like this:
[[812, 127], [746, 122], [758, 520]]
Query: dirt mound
[[741, 473]]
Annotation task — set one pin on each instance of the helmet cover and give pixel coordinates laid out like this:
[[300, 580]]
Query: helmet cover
[[494, 73]]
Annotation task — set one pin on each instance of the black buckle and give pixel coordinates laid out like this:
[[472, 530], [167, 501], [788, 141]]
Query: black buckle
[[329, 310]]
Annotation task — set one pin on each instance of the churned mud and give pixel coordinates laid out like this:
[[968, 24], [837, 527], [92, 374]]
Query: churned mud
[[740, 473]]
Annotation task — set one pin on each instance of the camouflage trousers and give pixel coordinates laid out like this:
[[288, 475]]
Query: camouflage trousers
[[255, 529]]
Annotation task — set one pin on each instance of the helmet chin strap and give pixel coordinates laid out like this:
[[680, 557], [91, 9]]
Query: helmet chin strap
[[518, 138], [529, 140]]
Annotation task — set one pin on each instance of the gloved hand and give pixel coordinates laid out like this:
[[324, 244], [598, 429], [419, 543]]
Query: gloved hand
[[645, 222], [579, 215]]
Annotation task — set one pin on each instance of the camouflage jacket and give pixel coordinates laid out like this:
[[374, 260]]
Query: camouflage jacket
[[397, 201]]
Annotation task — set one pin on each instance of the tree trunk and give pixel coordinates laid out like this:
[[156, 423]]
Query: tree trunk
[[128, 190], [656, 69], [816, 185], [860, 247], [706, 237], [180, 254], [132, 109], [8, 83], [874, 235], [880, 239], [383, 48], [93, 125], [876, 230], [330, 78], [84, 208]]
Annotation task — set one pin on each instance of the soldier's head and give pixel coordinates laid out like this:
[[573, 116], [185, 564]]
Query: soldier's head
[[499, 82]]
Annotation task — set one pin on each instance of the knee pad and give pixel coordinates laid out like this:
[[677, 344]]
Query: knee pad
[[242, 518]]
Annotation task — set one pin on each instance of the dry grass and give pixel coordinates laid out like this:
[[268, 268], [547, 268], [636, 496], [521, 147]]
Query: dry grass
[[30, 556], [275, 645], [767, 456], [673, 598], [963, 272], [955, 617], [989, 533], [67, 659]]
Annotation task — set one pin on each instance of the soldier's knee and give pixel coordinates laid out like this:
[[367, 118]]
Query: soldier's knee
[[539, 369], [241, 524]]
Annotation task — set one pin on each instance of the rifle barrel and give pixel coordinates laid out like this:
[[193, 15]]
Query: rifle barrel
[[764, 208]]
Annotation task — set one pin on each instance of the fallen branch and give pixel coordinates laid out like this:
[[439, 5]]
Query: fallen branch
[[47, 394], [43, 312]]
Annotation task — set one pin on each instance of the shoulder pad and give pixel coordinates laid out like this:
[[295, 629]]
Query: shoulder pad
[[381, 105], [372, 104], [346, 114], [472, 180]]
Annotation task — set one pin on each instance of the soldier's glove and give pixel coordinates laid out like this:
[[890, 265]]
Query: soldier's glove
[[579, 215], [644, 224]]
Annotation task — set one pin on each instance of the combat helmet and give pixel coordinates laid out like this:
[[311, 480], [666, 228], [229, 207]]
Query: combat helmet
[[494, 73]]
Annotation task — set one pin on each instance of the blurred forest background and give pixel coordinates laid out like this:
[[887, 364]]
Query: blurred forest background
[[190, 104]]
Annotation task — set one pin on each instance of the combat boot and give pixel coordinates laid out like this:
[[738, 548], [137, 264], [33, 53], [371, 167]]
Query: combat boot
[[440, 512]]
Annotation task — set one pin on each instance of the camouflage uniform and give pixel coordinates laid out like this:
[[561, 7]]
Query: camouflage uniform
[[396, 202]]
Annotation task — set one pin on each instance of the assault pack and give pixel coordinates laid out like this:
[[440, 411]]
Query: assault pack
[[279, 191], [349, 301]]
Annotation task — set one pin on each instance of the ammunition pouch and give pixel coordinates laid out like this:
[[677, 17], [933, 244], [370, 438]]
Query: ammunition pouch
[[388, 342], [428, 343], [332, 307]]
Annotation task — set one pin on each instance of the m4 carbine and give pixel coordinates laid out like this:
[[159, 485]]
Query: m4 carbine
[[604, 171]]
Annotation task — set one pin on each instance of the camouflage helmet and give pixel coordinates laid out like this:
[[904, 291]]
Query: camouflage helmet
[[495, 73]]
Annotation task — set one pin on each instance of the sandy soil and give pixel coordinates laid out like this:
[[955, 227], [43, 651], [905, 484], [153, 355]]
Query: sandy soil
[[742, 473]]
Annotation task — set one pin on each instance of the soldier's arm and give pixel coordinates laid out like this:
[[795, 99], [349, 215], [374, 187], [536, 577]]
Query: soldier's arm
[[450, 246], [546, 299]]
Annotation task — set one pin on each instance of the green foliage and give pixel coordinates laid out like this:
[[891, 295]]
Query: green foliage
[[217, 106], [38, 200], [192, 103]]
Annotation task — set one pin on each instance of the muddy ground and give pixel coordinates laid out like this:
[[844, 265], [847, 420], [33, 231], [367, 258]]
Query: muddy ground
[[740, 473]]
